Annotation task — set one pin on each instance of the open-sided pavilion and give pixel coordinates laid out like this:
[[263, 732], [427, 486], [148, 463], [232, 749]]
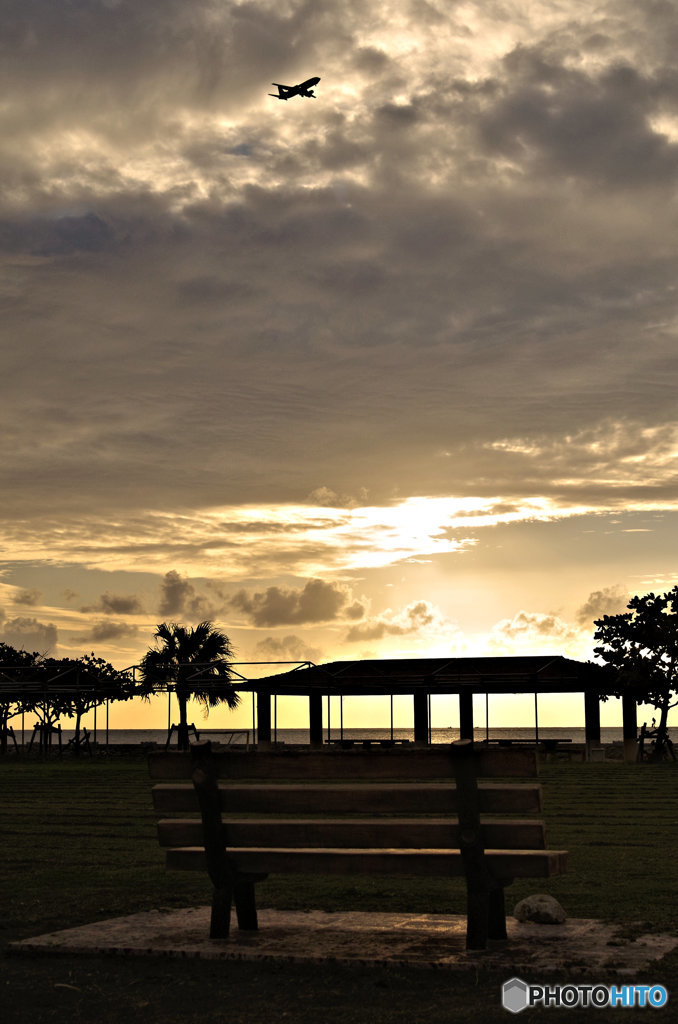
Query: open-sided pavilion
[[425, 677]]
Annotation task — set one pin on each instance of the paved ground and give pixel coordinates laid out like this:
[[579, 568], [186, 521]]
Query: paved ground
[[424, 940]]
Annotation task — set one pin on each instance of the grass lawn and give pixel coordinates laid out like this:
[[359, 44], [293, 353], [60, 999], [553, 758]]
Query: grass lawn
[[79, 845]]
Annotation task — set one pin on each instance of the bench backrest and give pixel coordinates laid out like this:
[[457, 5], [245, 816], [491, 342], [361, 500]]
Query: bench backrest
[[387, 798]]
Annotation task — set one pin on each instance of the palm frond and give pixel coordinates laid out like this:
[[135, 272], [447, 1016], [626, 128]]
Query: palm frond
[[185, 656]]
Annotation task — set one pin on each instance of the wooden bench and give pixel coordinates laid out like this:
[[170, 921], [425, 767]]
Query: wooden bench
[[377, 811], [348, 744]]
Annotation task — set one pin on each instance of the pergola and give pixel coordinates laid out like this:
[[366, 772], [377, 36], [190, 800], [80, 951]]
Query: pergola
[[424, 677]]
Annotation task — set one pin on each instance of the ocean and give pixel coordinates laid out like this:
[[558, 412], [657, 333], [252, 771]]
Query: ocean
[[117, 737]]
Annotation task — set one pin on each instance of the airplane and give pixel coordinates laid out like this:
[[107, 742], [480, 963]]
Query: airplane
[[286, 91]]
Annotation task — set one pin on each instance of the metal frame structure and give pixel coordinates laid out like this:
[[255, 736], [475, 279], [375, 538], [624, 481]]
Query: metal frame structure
[[419, 677]]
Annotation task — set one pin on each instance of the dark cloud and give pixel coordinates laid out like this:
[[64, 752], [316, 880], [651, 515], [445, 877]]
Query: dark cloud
[[371, 60], [538, 630], [175, 591], [287, 648], [179, 598], [452, 318], [106, 630], [278, 606], [596, 126], [29, 634], [116, 604], [412, 619], [608, 601], [27, 597]]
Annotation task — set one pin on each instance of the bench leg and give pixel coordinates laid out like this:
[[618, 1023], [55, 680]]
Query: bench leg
[[477, 913], [239, 890], [245, 904], [497, 914], [220, 922]]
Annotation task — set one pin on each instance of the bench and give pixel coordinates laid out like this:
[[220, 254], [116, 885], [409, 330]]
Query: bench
[[548, 745], [348, 744], [386, 811]]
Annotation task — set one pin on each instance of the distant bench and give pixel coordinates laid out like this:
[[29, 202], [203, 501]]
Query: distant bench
[[392, 811], [347, 744], [547, 744]]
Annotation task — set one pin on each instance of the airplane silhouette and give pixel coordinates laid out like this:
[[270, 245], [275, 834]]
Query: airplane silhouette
[[286, 91]]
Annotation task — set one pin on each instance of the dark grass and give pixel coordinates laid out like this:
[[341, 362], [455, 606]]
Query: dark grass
[[79, 845]]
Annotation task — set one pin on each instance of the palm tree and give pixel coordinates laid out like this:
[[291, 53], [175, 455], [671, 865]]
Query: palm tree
[[197, 662]]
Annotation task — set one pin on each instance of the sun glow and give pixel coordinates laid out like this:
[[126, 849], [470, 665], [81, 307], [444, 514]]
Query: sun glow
[[303, 540]]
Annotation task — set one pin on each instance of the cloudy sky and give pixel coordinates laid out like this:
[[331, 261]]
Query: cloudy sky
[[386, 372]]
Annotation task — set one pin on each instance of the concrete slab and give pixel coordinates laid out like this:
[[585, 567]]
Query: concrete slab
[[577, 947]]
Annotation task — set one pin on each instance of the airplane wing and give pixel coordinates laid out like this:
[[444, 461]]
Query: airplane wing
[[284, 91]]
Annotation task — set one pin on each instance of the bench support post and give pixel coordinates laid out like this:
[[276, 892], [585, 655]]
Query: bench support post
[[228, 884], [220, 920], [496, 928], [478, 901], [245, 902]]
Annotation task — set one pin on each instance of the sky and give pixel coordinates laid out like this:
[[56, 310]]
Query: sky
[[385, 373]]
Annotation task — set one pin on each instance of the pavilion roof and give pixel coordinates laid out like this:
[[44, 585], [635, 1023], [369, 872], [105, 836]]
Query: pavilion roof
[[519, 674]]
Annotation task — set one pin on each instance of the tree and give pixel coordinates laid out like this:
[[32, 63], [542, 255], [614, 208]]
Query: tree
[[78, 685], [197, 661], [51, 688], [640, 647], [15, 668]]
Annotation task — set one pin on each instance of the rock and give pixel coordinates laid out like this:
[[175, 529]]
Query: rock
[[540, 909]]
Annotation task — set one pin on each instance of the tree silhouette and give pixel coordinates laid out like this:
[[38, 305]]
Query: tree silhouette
[[197, 661], [79, 685], [641, 649], [15, 666]]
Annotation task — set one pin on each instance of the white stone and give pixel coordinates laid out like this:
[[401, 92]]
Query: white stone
[[541, 909]]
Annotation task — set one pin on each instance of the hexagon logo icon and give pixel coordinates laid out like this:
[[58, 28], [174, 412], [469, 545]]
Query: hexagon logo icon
[[514, 995]]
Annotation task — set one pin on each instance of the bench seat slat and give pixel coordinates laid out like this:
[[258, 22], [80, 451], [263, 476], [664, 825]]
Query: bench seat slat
[[351, 798], [442, 863], [425, 833]]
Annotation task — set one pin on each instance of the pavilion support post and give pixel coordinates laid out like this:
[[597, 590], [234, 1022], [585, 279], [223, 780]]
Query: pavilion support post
[[629, 727], [591, 720], [263, 718], [315, 712], [421, 735], [465, 715]]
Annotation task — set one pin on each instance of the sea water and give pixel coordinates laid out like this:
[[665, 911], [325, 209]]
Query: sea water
[[117, 737]]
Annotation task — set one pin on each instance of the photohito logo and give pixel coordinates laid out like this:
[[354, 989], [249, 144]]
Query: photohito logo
[[517, 995]]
